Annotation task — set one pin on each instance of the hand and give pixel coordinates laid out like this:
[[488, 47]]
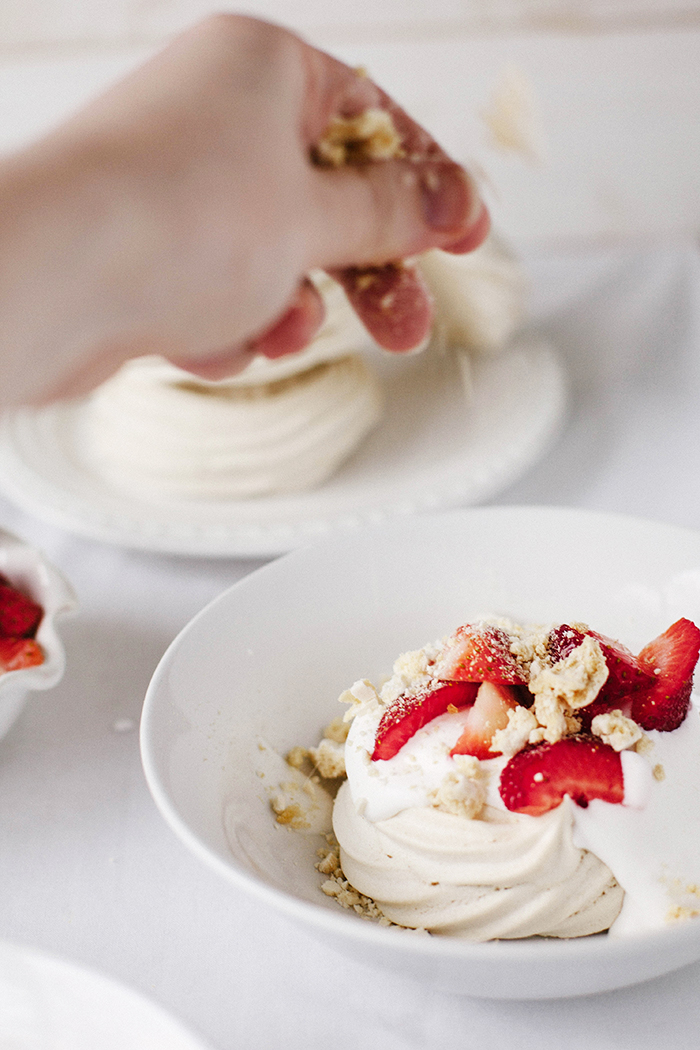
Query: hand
[[179, 213]]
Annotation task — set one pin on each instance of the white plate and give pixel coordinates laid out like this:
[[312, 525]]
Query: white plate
[[267, 660], [434, 449], [47, 1003]]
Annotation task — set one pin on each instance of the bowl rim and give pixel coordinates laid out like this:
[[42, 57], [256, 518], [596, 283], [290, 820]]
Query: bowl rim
[[328, 921]]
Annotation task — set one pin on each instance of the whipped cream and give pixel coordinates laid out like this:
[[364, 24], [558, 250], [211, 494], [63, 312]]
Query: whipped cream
[[486, 872], [654, 847]]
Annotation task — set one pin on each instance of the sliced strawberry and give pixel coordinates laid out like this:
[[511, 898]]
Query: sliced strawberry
[[670, 661], [625, 672], [405, 716], [479, 653], [17, 653], [536, 779], [489, 713], [562, 640], [19, 614]]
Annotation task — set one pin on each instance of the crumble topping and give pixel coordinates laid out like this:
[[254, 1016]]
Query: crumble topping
[[338, 887], [679, 913], [412, 673], [645, 745], [337, 730], [462, 792], [616, 729], [685, 898], [559, 689], [370, 136], [329, 758], [348, 897], [522, 725], [297, 757], [289, 809], [528, 642], [362, 693], [564, 687]]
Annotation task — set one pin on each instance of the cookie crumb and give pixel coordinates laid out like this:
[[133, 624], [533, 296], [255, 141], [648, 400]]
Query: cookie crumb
[[616, 730], [370, 136], [297, 757], [329, 758]]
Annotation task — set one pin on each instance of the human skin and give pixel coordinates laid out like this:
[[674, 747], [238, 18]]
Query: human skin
[[179, 212]]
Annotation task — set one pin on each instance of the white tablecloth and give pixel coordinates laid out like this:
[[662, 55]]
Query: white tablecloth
[[89, 870]]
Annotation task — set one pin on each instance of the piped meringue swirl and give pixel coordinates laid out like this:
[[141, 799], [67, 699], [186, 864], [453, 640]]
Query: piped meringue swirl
[[501, 876], [181, 438]]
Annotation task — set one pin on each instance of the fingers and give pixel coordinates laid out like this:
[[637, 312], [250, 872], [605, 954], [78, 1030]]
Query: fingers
[[291, 332], [473, 239], [296, 327], [392, 301], [370, 213], [373, 212], [336, 90], [222, 365], [390, 210]]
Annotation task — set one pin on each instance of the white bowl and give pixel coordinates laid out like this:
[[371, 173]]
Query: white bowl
[[28, 570], [267, 660], [47, 1003]]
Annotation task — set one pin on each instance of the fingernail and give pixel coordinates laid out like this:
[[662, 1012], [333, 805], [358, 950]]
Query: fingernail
[[449, 198], [467, 242]]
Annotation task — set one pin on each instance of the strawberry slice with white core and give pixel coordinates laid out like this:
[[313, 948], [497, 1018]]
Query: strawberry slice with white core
[[480, 653], [405, 716], [489, 713], [536, 779], [670, 661]]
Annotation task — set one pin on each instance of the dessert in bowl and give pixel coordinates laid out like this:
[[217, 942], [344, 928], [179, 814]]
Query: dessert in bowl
[[33, 597], [258, 673]]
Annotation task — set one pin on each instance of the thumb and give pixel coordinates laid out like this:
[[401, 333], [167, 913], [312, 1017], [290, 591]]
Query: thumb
[[378, 212]]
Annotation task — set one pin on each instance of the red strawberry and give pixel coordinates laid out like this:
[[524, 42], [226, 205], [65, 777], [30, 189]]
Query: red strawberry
[[479, 653], [17, 653], [489, 713], [408, 714], [536, 779], [562, 641], [19, 615], [625, 672], [670, 661]]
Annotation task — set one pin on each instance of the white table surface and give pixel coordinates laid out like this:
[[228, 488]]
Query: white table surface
[[89, 870]]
